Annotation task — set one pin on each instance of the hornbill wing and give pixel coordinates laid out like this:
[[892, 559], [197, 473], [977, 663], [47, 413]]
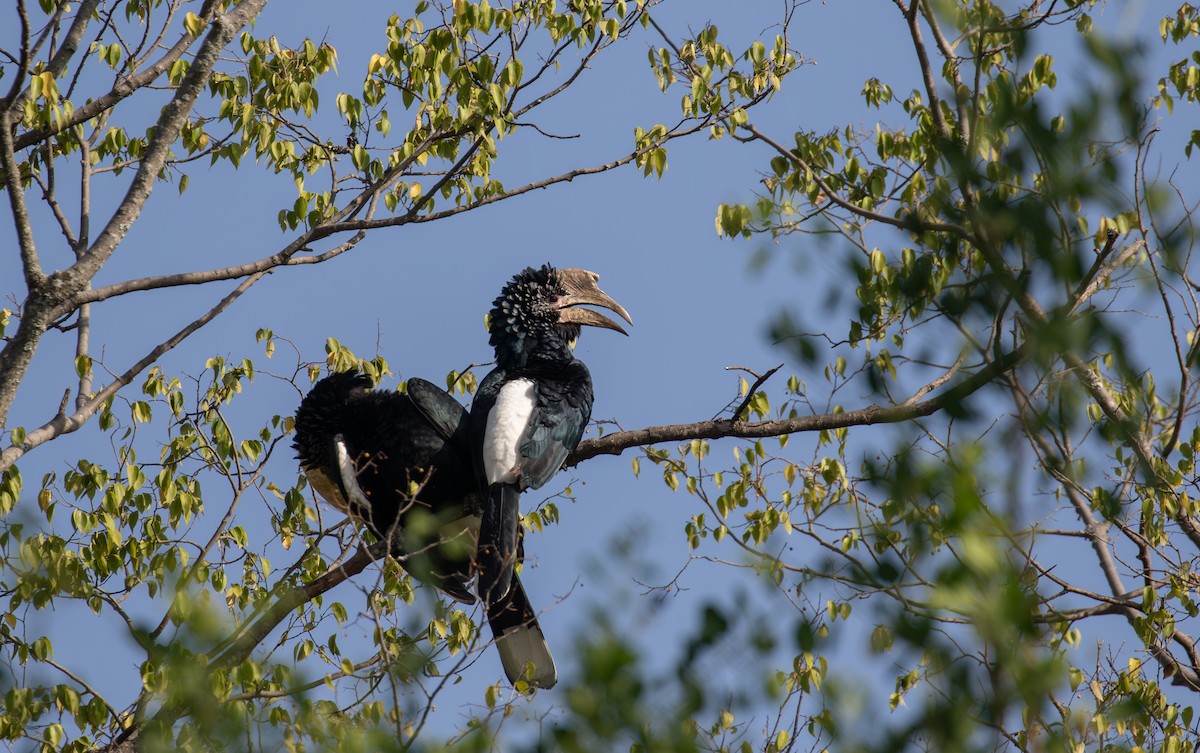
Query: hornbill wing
[[445, 414], [357, 503], [361, 450], [481, 407], [527, 421], [501, 517], [560, 414]]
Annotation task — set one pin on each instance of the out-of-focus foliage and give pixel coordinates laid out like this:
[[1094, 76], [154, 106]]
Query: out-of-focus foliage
[[1022, 550]]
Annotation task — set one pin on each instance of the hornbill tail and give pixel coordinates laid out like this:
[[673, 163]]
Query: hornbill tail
[[519, 640], [497, 552]]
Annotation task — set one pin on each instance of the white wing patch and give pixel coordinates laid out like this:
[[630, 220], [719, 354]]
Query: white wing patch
[[506, 426]]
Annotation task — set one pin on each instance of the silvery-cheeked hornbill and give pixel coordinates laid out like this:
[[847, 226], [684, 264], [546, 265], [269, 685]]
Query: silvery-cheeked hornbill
[[530, 411], [402, 463]]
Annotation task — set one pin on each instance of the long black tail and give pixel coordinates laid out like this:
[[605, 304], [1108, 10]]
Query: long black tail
[[497, 552], [519, 640]]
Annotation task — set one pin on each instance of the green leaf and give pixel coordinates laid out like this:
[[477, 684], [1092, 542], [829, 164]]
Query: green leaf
[[193, 23]]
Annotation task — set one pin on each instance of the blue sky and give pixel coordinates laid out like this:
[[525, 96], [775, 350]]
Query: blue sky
[[418, 294]]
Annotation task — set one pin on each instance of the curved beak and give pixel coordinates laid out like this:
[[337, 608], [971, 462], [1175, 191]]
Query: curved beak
[[583, 290]]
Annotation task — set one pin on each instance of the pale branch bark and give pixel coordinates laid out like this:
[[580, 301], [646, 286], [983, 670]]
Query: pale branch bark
[[83, 323], [913, 18], [166, 130], [1102, 268], [292, 692], [287, 256], [71, 289], [1097, 534], [49, 30], [141, 53], [947, 50], [551, 63], [325, 256], [238, 646], [936, 383], [31, 266], [113, 714], [234, 272], [47, 294], [22, 64], [9, 114], [253, 633], [451, 174], [1058, 464], [1135, 435], [759, 380], [50, 199], [617, 443]]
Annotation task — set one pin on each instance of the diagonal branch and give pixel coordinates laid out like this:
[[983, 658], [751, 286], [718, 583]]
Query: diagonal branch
[[912, 17], [124, 88], [30, 265], [166, 130], [64, 424], [66, 50], [287, 256], [567, 177]]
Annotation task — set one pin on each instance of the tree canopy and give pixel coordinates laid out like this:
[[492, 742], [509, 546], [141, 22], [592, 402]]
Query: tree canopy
[[961, 514]]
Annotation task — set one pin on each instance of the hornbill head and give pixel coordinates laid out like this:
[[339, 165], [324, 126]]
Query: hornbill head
[[543, 307]]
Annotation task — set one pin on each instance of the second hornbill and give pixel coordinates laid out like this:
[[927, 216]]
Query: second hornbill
[[402, 463], [530, 411]]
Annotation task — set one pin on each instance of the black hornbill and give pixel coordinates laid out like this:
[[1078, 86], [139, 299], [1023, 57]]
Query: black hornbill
[[403, 465], [530, 411]]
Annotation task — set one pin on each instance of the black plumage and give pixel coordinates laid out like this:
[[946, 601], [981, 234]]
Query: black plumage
[[402, 464], [531, 410]]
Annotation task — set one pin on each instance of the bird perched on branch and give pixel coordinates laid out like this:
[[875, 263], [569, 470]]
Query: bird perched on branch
[[530, 411], [402, 464]]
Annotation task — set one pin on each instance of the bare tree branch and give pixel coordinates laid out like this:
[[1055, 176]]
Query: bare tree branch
[[64, 424], [48, 294], [616, 443]]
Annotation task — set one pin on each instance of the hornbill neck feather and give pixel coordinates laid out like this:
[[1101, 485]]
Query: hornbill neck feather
[[524, 321]]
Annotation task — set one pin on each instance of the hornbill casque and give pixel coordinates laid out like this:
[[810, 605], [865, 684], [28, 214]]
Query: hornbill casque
[[530, 411], [402, 464]]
